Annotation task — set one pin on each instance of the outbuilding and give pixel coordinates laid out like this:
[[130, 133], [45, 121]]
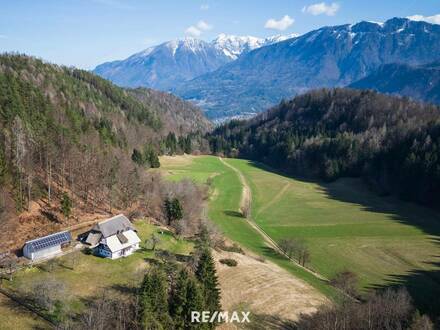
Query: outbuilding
[[47, 246]]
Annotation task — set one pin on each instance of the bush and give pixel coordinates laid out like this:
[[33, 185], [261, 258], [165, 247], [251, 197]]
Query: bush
[[346, 281], [229, 262], [234, 248]]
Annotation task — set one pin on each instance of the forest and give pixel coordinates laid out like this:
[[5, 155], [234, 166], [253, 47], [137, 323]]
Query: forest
[[68, 137], [392, 143]]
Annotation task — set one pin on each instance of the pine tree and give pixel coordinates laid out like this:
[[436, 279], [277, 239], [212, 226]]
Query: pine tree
[[66, 205], [154, 300], [194, 302], [136, 156], [207, 276], [173, 209], [178, 301]]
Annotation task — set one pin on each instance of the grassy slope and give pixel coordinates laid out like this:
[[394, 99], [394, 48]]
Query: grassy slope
[[345, 225], [93, 274], [223, 207], [348, 227]]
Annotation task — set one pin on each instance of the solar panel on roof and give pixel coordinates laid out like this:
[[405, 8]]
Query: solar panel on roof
[[49, 241]]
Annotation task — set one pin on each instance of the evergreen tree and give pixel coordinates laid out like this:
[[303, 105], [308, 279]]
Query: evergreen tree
[[178, 300], [207, 276], [136, 156], [194, 302], [171, 143], [173, 209], [150, 156], [153, 300], [66, 205]]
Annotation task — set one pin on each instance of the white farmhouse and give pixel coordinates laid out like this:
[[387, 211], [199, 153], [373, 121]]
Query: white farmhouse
[[47, 246], [114, 238]]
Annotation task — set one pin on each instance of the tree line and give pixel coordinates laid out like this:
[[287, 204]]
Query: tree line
[[392, 143]]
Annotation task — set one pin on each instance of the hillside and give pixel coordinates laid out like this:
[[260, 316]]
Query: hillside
[[327, 57], [74, 146], [420, 82], [177, 115], [391, 142]]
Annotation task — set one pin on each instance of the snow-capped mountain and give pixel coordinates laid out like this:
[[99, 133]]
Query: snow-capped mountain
[[235, 46], [167, 65], [326, 57]]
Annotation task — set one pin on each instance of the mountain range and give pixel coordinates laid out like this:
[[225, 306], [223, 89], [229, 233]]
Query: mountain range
[[240, 76], [174, 62], [327, 57]]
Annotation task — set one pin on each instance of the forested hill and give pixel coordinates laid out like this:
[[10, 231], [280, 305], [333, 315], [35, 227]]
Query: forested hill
[[393, 143], [68, 136], [177, 115]]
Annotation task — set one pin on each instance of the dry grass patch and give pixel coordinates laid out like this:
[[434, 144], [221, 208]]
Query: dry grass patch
[[265, 288], [14, 316]]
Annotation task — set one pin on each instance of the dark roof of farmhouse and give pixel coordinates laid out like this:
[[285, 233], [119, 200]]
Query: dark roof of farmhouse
[[46, 242], [113, 226]]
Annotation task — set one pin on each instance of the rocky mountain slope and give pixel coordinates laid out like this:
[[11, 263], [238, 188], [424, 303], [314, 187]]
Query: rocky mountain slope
[[174, 62], [330, 56], [420, 82]]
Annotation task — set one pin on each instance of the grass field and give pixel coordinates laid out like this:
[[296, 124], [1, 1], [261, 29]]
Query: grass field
[[223, 209], [92, 274], [383, 240]]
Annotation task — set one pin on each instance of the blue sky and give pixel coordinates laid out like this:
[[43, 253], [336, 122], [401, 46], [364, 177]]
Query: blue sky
[[85, 33]]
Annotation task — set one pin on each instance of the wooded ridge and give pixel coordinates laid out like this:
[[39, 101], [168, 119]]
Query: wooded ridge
[[393, 143], [72, 140]]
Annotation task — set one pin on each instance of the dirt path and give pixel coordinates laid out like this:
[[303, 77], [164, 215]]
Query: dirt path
[[276, 198], [246, 199]]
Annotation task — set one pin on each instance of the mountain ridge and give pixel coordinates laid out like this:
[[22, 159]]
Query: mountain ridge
[[173, 62], [332, 56], [421, 82]]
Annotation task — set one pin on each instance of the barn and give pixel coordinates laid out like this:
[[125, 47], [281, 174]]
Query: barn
[[47, 246]]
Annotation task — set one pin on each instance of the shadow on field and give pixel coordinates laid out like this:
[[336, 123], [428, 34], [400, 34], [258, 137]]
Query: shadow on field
[[264, 321], [423, 285], [231, 213]]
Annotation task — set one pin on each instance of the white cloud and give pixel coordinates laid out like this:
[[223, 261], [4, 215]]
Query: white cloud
[[322, 8], [203, 26], [281, 24], [434, 19], [198, 29], [204, 7], [2, 36], [193, 31]]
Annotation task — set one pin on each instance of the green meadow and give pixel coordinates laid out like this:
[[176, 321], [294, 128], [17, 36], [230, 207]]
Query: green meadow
[[347, 227]]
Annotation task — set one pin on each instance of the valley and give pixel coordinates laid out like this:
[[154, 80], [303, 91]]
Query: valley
[[202, 165], [385, 241]]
